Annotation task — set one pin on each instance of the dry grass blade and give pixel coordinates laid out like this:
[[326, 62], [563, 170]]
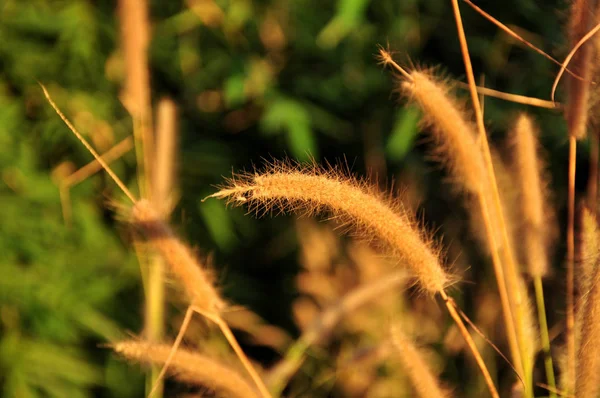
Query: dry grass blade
[[189, 367], [86, 171], [87, 145], [515, 36]]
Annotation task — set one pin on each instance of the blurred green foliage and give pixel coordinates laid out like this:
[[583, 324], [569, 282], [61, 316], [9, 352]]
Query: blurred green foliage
[[252, 80]]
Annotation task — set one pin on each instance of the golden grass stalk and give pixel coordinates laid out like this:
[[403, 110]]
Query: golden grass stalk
[[161, 186], [570, 296], [581, 58], [135, 38], [308, 190], [324, 324], [512, 276], [425, 383], [459, 150], [587, 380], [189, 367], [311, 189]]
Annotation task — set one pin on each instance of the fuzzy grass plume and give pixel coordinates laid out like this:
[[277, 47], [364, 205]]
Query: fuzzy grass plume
[[454, 134], [311, 189], [534, 211], [194, 278], [189, 367]]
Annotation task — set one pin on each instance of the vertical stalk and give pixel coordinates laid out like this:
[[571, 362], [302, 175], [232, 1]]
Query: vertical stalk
[[469, 340], [541, 309], [135, 36], [593, 175], [512, 273], [570, 262]]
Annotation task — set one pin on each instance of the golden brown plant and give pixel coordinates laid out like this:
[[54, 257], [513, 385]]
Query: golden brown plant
[[458, 148]]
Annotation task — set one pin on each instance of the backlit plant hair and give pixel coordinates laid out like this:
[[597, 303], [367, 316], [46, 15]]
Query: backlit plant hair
[[309, 189]]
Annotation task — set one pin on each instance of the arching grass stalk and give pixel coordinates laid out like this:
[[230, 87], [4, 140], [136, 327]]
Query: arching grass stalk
[[457, 149], [307, 190]]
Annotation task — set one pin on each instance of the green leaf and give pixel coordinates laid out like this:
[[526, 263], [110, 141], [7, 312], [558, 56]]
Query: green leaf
[[403, 134]]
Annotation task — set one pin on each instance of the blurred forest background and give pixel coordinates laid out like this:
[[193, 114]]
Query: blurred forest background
[[251, 80]]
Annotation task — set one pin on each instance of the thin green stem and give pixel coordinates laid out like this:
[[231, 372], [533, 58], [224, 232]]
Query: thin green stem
[[541, 309]]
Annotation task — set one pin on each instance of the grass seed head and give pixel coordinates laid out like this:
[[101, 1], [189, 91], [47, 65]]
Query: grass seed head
[[451, 128], [189, 367], [308, 190], [535, 214], [196, 280]]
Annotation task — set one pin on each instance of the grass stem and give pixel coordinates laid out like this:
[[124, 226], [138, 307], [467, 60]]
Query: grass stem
[[541, 310]]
